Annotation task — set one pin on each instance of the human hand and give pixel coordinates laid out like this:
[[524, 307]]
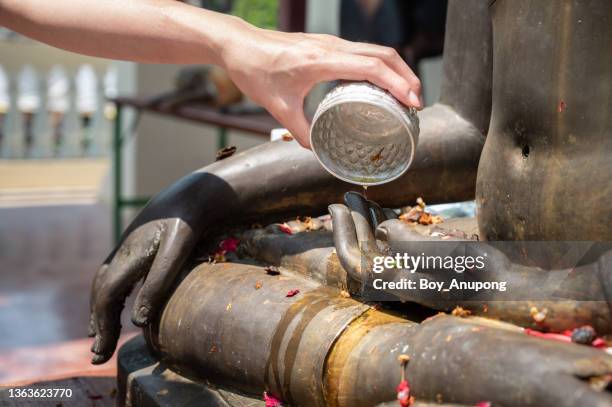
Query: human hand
[[277, 70]]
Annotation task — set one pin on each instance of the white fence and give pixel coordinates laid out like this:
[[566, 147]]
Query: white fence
[[55, 114]]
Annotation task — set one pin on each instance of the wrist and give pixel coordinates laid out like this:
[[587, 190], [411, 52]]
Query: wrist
[[234, 33]]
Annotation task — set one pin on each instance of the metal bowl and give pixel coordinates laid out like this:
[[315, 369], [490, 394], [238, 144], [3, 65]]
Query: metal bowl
[[363, 135]]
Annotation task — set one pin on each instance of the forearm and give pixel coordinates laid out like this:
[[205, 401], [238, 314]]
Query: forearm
[[149, 31]]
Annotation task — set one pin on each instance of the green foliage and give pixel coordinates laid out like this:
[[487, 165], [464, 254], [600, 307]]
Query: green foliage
[[261, 13]]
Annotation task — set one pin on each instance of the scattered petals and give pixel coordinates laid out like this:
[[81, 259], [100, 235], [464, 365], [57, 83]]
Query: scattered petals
[[599, 343], [307, 222], [561, 106], [272, 270], [553, 336], [292, 293], [538, 315], [225, 153], [219, 257], [271, 401], [229, 245], [461, 312], [417, 214], [403, 394], [285, 228]]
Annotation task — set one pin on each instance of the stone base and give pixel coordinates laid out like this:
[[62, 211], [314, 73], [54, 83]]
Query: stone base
[[143, 382]]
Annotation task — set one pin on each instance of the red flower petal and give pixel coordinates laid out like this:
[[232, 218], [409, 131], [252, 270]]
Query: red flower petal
[[403, 394], [483, 404], [229, 245], [599, 343], [553, 336], [271, 401], [285, 228], [293, 293]]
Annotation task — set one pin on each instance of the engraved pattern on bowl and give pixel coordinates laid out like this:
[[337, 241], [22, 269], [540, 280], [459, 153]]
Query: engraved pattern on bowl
[[362, 135]]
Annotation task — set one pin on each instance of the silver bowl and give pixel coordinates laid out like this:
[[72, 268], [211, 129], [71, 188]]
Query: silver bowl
[[363, 135]]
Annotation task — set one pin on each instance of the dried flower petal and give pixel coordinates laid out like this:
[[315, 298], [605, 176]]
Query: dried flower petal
[[258, 285], [272, 270], [538, 315], [271, 401], [219, 257], [461, 312], [403, 359], [425, 218], [292, 293], [287, 137], [225, 153]]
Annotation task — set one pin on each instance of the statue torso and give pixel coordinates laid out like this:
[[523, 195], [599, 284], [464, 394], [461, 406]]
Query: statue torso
[[546, 169]]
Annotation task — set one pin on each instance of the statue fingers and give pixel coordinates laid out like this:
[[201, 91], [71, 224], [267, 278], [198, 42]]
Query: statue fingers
[[174, 248], [377, 214], [345, 240], [397, 230], [362, 218], [113, 283], [100, 273]]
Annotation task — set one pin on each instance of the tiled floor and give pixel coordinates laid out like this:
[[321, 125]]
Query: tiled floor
[[48, 255]]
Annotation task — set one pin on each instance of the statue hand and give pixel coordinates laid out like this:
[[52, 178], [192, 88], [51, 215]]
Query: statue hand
[[363, 231], [353, 226], [152, 249]]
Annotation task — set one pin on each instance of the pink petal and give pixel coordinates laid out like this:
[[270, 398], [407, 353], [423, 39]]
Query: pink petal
[[293, 293], [285, 228], [403, 394], [271, 401], [229, 245], [553, 336]]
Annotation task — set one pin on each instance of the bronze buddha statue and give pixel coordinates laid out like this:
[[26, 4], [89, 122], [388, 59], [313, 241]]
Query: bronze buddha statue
[[523, 124]]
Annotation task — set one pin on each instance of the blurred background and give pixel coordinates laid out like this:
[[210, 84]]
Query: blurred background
[[68, 187]]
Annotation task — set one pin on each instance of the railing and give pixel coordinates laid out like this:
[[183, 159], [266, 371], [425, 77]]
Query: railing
[[46, 114]]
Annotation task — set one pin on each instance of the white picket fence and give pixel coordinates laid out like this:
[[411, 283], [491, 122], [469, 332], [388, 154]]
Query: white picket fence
[[52, 114]]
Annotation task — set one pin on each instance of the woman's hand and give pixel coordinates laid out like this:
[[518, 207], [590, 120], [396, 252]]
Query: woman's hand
[[277, 70]]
